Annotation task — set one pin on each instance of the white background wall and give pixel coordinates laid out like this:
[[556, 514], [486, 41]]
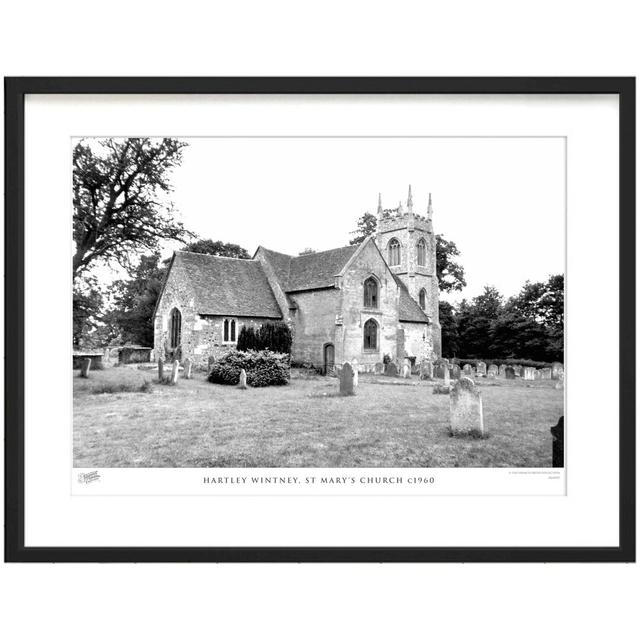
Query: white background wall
[[332, 38]]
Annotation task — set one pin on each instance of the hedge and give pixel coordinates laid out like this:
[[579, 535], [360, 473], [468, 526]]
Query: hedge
[[275, 336], [263, 368]]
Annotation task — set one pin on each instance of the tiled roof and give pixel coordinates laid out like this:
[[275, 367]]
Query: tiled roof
[[317, 270], [311, 271], [409, 310], [228, 286]]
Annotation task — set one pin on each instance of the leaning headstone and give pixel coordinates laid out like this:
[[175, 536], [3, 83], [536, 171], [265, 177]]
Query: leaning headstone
[[501, 370], [510, 373], [455, 372], [465, 409], [391, 369], [85, 365], [378, 368], [187, 368], [174, 371], [556, 368], [492, 371], [346, 380], [528, 373], [557, 451], [481, 369], [545, 373], [160, 369], [467, 370], [426, 370], [242, 384]]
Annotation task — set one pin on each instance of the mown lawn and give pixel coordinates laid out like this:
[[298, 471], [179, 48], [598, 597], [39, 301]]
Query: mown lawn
[[305, 424]]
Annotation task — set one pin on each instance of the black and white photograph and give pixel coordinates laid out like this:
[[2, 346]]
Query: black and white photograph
[[318, 302]]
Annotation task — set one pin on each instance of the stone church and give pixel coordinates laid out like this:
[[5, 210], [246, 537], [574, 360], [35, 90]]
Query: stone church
[[361, 302]]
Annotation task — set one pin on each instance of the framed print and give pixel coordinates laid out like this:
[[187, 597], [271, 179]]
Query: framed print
[[320, 319]]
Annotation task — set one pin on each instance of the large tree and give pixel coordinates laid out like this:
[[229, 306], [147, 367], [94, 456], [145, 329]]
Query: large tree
[[450, 273], [217, 248], [366, 226], [119, 199], [135, 301]]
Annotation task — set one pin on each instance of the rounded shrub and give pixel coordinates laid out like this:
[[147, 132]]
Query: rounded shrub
[[264, 368]]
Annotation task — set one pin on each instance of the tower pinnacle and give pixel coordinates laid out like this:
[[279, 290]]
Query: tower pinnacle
[[410, 201], [380, 212], [400, 209], [429, 209]]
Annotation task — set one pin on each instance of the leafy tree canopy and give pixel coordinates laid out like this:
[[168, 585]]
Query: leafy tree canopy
[[217, 248], [118, 209]]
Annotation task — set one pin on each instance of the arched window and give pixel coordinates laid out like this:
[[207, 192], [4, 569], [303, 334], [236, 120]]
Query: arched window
[[229, 333], [371, 335], [394, 252], [422, 253], [422, 299], [175, 328], [371, 293]]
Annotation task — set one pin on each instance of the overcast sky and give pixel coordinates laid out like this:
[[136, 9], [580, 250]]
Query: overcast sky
[[501, 200]]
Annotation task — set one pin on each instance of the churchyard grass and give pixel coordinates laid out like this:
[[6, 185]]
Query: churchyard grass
[[388, 423]]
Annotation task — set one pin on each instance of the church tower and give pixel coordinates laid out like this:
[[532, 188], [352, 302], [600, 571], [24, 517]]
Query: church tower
[[408, 244]]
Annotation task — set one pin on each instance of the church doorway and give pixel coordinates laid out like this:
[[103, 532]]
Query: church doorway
[[329, 358]]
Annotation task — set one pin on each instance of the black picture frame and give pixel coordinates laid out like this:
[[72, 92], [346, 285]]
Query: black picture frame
[[15, 91]]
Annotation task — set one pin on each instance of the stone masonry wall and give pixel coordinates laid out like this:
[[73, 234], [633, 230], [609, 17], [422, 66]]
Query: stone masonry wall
[[418, 343], [314, 324], [350, 337]]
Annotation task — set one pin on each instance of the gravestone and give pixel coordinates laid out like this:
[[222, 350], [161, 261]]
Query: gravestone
[[426, 370], [492, 371], [467, 370], [187, 368], [446, 375], [85, 365], [560, 380], [518, 369], [455, 372], [557, 451], [509, 373], [391, 369], [210, 362], [501, 370], [465, 409], [481, 369], [537, 375], [545, 373], [174, 371], [406, 368], [346, 380], [354, 365], [556, 369], [439, 369], [242, 384], [528, 373], [378, 368], [160, 369]]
